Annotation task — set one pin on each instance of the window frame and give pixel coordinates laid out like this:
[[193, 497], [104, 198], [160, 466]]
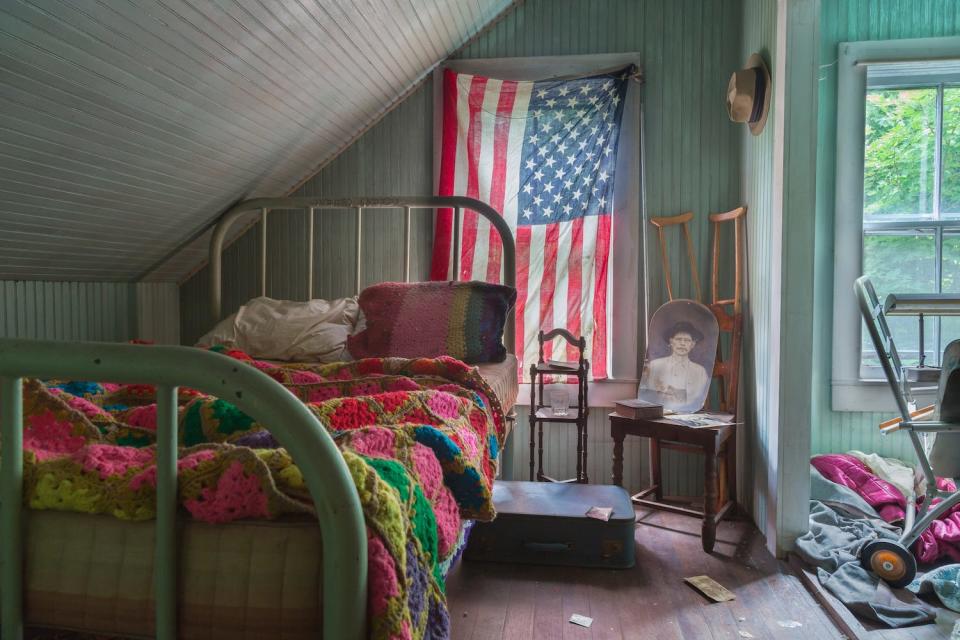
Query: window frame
[[628, 265], [850, 390]]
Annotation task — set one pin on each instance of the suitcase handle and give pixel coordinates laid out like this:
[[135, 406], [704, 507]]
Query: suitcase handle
[[548, 547]]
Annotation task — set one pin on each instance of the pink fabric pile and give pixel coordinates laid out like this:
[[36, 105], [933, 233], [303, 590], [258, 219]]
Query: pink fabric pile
[[940, 540]]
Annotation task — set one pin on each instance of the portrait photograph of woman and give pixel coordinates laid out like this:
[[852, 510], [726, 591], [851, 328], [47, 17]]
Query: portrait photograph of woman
[[680, 355]]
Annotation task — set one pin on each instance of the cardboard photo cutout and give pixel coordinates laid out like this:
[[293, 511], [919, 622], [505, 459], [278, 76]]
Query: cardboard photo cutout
[[681, 349]]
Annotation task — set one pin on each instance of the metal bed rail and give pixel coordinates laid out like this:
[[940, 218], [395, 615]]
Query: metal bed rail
[[325, 472], [358, 205]]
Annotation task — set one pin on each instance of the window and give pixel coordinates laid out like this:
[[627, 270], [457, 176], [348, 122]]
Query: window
[[911, 205], [897, 202]]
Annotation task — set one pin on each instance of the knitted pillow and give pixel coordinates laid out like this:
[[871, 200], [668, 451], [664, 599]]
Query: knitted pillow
[[464, 320]]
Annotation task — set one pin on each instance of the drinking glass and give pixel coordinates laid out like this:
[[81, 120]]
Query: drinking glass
[[559, 401]]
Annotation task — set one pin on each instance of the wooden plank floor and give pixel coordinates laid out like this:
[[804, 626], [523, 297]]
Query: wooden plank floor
[[858, 629], [523, 602]]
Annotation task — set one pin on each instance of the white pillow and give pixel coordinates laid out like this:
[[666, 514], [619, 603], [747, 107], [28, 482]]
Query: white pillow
[[224, 333], [312, 331]]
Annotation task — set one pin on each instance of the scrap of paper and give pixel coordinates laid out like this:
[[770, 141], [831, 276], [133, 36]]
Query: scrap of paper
[[710, 588], [583, 621], [600, 513]]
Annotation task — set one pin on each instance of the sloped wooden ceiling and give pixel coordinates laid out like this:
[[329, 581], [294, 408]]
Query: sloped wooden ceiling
[[127, 126]]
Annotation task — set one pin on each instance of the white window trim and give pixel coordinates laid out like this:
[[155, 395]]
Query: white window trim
[[628, 331], [849, 391]]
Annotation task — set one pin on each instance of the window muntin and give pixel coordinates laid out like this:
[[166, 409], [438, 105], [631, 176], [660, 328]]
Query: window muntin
[[911, 208]]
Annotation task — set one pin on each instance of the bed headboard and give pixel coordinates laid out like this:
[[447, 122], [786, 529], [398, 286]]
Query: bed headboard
[[309, 206]]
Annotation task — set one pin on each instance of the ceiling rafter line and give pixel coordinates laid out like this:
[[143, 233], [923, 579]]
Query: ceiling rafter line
[[146, 129], [162, 108], [300, 62], [206, 100], [414, 86], [266, 63], [206, 59], [116, 166]]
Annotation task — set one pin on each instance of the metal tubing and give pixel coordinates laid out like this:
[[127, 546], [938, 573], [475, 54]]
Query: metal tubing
[[359, 246], [310, 240], [325, 472], [165, 565], [911, 534], [406, 243], [11, 516], [456, 245], [242, 209], [263, 252]]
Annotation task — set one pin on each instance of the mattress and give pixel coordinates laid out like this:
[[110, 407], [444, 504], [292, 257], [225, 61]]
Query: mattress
[[243, 580], [502, 378]]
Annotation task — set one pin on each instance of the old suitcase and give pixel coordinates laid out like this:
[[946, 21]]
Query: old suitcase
[[546, 523]]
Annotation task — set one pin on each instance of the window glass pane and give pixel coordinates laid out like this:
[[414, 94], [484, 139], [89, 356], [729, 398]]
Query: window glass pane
[[950, 184], [901, 262], [899, 151], [950, 325]]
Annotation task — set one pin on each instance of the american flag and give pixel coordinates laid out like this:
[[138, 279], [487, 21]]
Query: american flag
[[544, 155]]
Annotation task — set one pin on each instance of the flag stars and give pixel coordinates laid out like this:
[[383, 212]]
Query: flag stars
[[602, 201], [577, 194], [548, 211], [533, 139], [603, 176], [545, 127], [527, 213], [542, 93], [572, 102], [528, 188], [584, 90], [550, 161], [531, 164], [568, 184], [567, 209], [541, 151], [538, 175], [557, 198], [537, 200], [560, 173], [562, 147], [563, 91], [551, 103], [571, 159], [548, 187], [555, 138]]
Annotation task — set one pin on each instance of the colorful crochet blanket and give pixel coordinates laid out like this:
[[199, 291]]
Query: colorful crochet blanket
[[420, 437]]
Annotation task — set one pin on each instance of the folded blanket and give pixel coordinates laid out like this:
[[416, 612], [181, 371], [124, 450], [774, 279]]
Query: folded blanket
[[420, 447]]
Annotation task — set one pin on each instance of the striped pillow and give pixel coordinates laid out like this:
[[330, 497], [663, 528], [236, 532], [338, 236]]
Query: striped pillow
[[464, 320]]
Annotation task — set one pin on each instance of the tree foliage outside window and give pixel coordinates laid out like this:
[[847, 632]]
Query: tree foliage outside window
[[909, 217]]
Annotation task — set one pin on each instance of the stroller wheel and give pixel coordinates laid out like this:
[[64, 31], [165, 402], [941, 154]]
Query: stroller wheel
[[891, 561]]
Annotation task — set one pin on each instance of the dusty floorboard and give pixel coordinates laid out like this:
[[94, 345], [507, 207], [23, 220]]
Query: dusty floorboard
[[649, 601], [858, 629]]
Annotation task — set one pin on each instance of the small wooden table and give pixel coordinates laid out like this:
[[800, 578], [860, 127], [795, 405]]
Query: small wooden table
[[719, 447]]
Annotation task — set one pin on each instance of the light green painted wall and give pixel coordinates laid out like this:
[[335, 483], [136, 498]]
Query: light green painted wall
[[759, 35], [689, 48], [42, 310], [851, 21]]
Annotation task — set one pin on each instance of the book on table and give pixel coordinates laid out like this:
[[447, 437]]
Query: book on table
[[635, 408]]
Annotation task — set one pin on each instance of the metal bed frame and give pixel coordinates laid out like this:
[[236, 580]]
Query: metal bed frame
[[327, 477], [358, 205], [893, 561]]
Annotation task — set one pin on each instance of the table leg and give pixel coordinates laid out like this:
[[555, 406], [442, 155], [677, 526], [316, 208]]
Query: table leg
[[732, 468], [585, 478], [533, 426], [618, 436], [539, 451], [708, 535], [656, 478], [579, 452]]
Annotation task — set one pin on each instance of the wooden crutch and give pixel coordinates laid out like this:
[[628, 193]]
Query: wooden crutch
[[682, 219], [728, 311]]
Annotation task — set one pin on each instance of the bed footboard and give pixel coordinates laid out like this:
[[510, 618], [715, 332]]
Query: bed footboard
[[324, 471]]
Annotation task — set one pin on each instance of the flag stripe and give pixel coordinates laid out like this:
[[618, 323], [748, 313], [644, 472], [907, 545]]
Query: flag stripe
[[468, 234], [575, 285], [600, 298], [548, 282], [523, 278], [498, 182], [440, 261]]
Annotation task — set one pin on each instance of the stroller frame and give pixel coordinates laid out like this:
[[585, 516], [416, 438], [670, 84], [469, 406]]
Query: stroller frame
[[875, 556]]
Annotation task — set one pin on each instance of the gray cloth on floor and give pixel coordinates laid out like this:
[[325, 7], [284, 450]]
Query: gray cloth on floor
[[843, 499], [833, 545]]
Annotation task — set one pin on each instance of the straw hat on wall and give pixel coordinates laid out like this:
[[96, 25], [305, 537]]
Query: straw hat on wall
[[748, 94]]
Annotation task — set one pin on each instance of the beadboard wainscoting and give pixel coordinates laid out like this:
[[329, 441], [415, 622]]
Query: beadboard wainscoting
[[90, 311], [682, 473]]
